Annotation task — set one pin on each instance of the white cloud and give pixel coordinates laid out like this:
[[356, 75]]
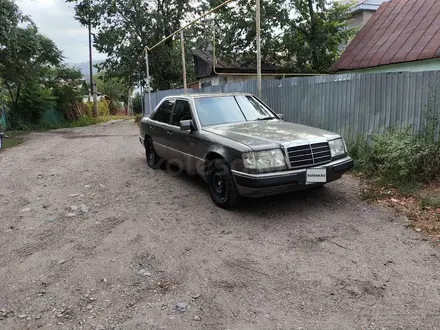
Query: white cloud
[[55, 19]]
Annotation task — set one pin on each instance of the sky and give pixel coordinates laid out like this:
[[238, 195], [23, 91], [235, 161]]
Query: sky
[[55, 19]]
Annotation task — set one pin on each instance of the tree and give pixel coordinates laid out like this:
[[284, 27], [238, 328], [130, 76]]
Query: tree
[[24, 53], [316, 33], [137, 103], [297, 35], [37, 84], [236, 30], [114, 88], [124, 28], [10, 17], [66, 85]]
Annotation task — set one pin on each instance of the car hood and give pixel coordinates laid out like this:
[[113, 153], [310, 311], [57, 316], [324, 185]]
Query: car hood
[[270, 133]]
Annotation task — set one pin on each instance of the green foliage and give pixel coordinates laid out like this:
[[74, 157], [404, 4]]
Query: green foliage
[[15, 139], [396, 154], [26, 58], [124, 28], [297, 35], [103, 109], [113, 88], [10, 17], [66, 85], [137, 118], [137, 103], [236, 30], [432, 203], [397, 157]]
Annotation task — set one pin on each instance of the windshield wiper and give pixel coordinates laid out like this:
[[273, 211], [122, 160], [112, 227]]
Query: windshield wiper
[[266, 118]]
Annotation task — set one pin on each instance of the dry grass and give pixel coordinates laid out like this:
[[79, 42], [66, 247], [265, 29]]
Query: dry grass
[[421, 206]]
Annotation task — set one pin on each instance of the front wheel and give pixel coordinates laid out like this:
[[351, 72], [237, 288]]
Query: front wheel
[[222, 185], [153, 158]]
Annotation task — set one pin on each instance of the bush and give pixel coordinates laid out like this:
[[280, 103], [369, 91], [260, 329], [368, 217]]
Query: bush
[[397, 157], [103, 108], [137, 103], [137, 118]]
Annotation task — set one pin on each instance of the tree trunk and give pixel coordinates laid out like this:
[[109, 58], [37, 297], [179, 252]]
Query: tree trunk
[[312, 37]]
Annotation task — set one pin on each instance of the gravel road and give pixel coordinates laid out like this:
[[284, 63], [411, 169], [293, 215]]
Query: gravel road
[[93, 239]]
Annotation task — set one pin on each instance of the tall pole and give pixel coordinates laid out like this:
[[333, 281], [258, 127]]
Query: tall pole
[[148, 81], [143, 100], [258, 28], [90, 60], [92, 87], [182, 44]]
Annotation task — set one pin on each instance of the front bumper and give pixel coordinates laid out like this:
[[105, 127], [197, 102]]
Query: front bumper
[[256, 185]]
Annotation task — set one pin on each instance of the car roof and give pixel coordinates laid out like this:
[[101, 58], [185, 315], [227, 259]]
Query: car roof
[[205, 95]]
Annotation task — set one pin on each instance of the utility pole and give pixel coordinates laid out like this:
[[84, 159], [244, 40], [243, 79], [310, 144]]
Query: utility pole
[[92, 87], [142, 100], [129, 104], [90, 61], [148, 80], [182, 43], [258, 28]]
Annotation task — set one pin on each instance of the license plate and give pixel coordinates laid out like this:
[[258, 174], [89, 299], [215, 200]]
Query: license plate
[[316, 175]]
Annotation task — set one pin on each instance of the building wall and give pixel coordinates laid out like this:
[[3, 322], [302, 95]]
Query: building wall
[[426, 65], [228, 79], [194, 85], [357, 20], [366, 16]]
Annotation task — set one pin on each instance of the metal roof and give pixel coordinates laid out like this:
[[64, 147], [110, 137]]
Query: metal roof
[[399, 31], [233, 66]]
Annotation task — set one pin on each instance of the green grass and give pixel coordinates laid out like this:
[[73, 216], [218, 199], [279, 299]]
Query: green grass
[[81, 122], [430, 203], [15, 139]]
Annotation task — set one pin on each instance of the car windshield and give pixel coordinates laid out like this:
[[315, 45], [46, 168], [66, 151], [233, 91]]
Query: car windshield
[[230, 109]]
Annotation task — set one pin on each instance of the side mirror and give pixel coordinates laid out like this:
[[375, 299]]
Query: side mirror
[[280, 115], [187, 125]]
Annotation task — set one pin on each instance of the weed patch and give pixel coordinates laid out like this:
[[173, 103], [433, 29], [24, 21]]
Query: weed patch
[[397, 158]]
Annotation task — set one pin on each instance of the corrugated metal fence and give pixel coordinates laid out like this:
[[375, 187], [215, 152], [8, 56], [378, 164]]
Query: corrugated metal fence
[[349, 104]]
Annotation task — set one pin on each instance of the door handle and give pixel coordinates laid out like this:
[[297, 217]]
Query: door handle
[[152, 127], [169, 133]]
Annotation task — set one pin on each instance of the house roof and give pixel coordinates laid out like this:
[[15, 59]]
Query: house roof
[[367, 5], [233, 67], [399, 31]]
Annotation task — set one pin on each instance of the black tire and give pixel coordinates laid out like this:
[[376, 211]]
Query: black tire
[[222, 185], [153, 159]]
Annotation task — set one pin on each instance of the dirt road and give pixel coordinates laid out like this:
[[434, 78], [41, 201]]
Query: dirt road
[[93, 239]]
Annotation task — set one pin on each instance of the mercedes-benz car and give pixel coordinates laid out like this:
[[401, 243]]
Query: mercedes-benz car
[[240, 147]]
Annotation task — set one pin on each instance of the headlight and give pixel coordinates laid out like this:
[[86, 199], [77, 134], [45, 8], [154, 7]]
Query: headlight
[[265, 160], [337, 147]]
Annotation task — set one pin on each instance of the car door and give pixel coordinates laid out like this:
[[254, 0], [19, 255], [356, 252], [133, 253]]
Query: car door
[[160, 126], [181, 144]]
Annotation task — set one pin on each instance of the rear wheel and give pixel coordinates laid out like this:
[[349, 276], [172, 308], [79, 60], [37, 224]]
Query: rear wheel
[[153, 158], [222, 185]]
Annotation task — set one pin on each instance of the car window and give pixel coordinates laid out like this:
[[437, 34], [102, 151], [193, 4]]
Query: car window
[[163, 113], [182, 111], [218, 110], [230, 109], [252, 109]]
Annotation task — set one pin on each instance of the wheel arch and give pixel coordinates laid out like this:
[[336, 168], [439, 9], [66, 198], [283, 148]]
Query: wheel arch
[[147, 136]]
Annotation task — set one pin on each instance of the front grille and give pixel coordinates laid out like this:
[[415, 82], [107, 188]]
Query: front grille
[[309, 155]]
